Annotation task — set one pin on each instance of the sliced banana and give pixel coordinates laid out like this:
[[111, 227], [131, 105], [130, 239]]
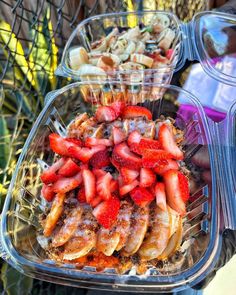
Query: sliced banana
[[142, 59], [78, 57]]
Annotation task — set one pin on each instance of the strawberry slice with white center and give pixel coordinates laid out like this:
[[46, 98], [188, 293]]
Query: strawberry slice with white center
[[64, 185], [98, 172], [49, 175], [168, 143], [160, 194], [147, 177], [84, 154], [128, 175], [123, 155], [92, 141], [103, 186], [125, 189], [70, 168], [165, 165], [118, 107], [89, 181], [136, 111], [176, 191], [106, 212], [114, 186], [48, 193], [105, 114], [118, 135], [141, 196], [60, 145], [133, 141]]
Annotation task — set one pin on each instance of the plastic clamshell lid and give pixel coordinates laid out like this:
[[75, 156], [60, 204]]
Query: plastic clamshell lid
[[214, 38], [23, 202]]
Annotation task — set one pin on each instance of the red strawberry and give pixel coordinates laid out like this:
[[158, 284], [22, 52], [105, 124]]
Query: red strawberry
[[105, 114], [184, 186], [136, 111], [147, 177], [152, 157], [60, 145], [160, 195], [168, 143], [49, 175], [92, 141], [118, 135], [47, 192], [115, 163], [141, 196], [69, 168], [100, 159], [128, 175], [76, 141], [166, 165], [118, 107], [83, 166], [103, 186], [81, 195], [89, 185], [133, 141], [175, 191], [98, 172], [64, 185], [84, 154], [169, 53], [125, 189], [97, 200], [114, 186], [123, 155], [147, 143], [106, 212]]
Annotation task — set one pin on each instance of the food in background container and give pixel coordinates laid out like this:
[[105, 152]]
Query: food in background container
[[118, 189]]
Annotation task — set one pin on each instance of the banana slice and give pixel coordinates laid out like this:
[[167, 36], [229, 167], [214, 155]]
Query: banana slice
[[78, 57], [142, 59]]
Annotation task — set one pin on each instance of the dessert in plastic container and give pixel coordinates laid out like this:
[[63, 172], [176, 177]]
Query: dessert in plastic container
[[208, 38], [201, 241]]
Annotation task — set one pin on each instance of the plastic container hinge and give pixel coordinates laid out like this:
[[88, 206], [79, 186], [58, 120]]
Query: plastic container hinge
[[188, 42]]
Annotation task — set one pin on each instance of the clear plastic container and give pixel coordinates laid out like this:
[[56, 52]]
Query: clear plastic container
[[203, 225], [208, 38]]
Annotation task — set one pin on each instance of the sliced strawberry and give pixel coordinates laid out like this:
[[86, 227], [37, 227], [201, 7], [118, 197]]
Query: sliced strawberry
[[147, 177], [118, 107], [95, 201], [64, 185], [92, 141], [84, 154], [105, 114], [115, 163], [136, 111], [76, 141], [106, 212], [160, 195], [98, 172], [83, 166], [125, 189], [141, 196], [49, 175], [169, 53], [47, 192], [123, 155], [152, 157], [69, 168], [134, 138], [81, 195], [174, 191], [184, 186], [148, 143], [114, 186], [100, 159], [168, 143], [166, 165], [118, 135], [103, 186], [128, 175], [60, 145], [89, 185]]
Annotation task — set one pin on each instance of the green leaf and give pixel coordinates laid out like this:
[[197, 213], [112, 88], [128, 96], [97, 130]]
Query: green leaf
[[4, 143], [14, 282], [16, 50]]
